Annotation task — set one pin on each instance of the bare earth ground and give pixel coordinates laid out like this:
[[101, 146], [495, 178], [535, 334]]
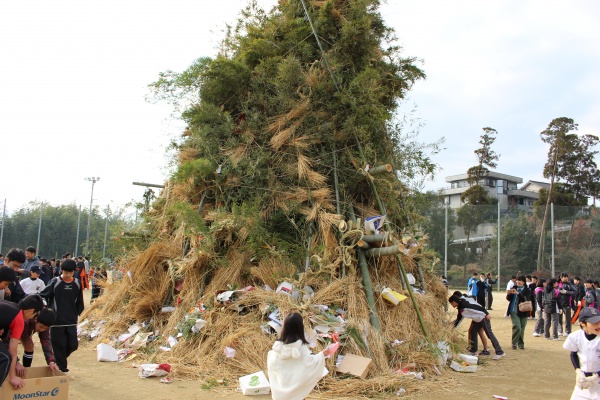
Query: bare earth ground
[[541, 371]]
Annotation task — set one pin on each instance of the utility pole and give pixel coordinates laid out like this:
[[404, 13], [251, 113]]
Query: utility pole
[[77, 238], [446, 237], [37, 246], [3, 221], [105, 231], [87, 236]]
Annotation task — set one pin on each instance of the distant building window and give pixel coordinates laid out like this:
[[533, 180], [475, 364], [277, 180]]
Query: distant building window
[[500, 184], [530, 203]]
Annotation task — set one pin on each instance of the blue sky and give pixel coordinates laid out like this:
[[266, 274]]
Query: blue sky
[[74, 78]]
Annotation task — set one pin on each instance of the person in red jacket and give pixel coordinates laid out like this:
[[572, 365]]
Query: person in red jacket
[[12, 318]]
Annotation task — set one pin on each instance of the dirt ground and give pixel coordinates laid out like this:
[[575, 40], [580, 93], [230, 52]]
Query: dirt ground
[[541, 371]]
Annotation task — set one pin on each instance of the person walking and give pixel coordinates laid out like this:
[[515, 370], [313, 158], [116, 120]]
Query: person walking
[[519, 308], [567, 291]]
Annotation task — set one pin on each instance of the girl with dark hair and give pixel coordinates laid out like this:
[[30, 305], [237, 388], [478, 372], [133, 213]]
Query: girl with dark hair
[[550, 308], [293, 369], [539, 325], [517, 297]]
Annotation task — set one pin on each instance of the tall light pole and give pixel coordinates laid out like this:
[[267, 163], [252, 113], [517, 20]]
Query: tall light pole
[[105, 231], [37, 246], [77, 238], [3, 222], [87, 236]]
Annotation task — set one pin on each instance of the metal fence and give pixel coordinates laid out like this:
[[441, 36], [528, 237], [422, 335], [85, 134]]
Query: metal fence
[[506, 242]]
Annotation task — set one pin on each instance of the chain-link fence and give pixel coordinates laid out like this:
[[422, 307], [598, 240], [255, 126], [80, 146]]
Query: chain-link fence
[[570, 241]]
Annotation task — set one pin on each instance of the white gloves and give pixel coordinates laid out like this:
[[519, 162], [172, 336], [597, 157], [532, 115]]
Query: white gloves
[[580, 379], [585, 382], [562, 291]]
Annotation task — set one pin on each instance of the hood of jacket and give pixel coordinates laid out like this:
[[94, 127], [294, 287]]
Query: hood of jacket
[[548, 289], [285, 351]]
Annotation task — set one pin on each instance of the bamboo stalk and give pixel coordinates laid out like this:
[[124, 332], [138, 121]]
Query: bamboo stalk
[[385, 168], [384, 251], [364, 270], [362, 244], [376, 238], [412, 298]]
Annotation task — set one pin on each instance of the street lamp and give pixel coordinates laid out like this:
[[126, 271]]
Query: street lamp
[[87, 236]]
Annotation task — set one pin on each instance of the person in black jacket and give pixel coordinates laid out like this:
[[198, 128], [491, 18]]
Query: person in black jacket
[[566, 292], [14, 259], [65, 295], [580, 292], [538, 294], [490, 290], [481, 320], [516, 297]]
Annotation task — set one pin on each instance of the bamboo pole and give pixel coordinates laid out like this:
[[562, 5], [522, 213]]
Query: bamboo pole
[[362, 244], [385, 168], [376, 238], [364, 270], [412, 298], [384, 251]]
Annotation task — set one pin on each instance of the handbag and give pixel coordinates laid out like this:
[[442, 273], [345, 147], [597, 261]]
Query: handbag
[[525, 306]]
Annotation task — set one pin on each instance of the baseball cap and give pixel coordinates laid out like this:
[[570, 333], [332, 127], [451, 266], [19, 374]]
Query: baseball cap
[[589, 314], [36, 269]]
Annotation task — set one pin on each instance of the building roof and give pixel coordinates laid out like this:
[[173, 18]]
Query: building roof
[[544, 185], [491, 174]]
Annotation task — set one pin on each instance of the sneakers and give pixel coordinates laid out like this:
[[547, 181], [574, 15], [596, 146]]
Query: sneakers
[[536, 334], [547, 338], [484, 353], [473, 353], [565, 334], [498, 356], [556, 338], [514, 346]]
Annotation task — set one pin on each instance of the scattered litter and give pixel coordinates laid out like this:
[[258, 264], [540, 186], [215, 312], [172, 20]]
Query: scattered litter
[[392, 296], [167, 309], [106, 353], [500, 397], [165, 348], [373, 224], [401, 392], [463, 367], [166, 379], [125, 355], [255, 384], [172, 341], [469, 359], [284, 287], [398, 342], [147, 370], [229, 352]]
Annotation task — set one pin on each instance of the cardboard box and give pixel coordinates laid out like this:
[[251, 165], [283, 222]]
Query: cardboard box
[[39, 384], [355, 365], [255, 384]]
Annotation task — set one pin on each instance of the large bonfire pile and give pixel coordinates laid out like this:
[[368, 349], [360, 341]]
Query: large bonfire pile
[[272, 186]]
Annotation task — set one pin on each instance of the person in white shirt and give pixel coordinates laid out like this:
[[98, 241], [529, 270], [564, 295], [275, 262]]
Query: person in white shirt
[[293, 369], [584, 346], [33, 284]]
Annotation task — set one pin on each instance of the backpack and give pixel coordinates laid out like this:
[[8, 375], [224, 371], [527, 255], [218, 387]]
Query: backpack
[[549, 302]]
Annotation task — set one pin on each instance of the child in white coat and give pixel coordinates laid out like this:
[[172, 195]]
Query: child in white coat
[[584, 346], [293, 369]]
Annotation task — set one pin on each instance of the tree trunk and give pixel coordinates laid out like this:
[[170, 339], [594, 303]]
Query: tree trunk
[[542, 236]]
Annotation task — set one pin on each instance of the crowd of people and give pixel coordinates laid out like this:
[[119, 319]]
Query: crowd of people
[[43, 296], [557, 304]]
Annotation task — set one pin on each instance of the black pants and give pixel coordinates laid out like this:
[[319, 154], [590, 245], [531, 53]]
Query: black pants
[[64, 342], [481, 299], [5, 360], [490, 298], [487, 328]]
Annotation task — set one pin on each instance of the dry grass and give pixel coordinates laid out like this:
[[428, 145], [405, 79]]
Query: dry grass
[[155, 271]]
